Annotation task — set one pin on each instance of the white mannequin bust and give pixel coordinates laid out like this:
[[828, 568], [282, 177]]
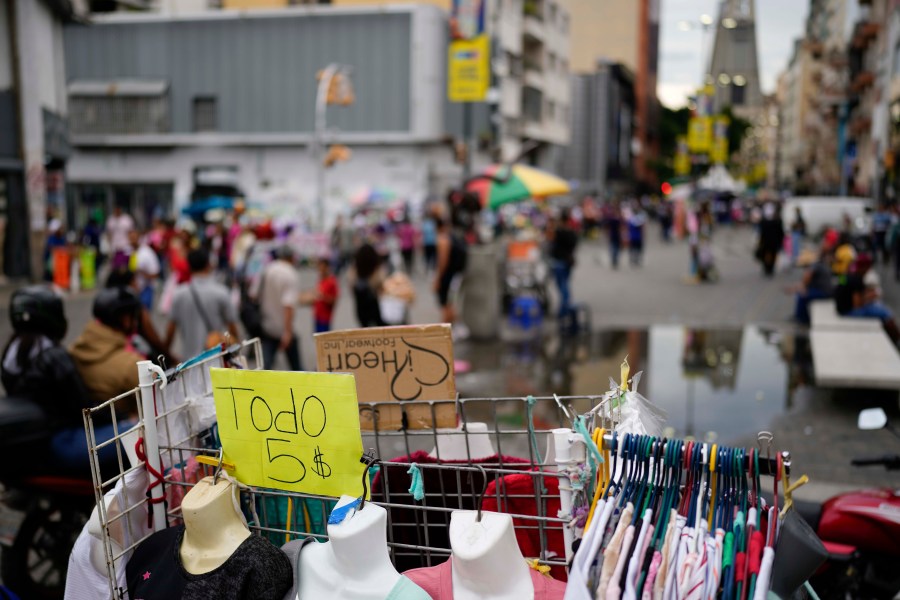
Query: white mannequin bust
[[354, 563], [213, 525], [487, 562]]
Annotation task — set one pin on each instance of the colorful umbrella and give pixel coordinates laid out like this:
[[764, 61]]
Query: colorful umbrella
[[371, 195], [519, 184]]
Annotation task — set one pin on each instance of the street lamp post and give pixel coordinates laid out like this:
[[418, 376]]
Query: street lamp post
[[325, 82], [704, 24]]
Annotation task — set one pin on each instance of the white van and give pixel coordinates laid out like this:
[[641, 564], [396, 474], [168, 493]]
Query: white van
[[820, 212]]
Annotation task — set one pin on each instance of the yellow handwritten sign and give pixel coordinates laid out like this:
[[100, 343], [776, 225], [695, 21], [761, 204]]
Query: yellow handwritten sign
[[291, 431]]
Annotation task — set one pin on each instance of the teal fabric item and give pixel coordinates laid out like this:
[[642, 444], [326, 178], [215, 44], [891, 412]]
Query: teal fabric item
[[273, 513], [405, 589], [416, 485]]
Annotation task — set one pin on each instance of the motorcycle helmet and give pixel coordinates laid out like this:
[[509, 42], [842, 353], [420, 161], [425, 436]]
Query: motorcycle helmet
[[111, 304], [38, 309]]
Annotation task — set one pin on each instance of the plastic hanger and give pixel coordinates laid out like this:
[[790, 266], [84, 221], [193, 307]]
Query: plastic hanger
[[603, 475]]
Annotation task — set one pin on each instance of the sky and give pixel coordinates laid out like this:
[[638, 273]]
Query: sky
[[778, 23]]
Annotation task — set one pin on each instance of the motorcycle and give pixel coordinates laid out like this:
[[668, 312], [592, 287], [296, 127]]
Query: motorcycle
[[860, 531], [41, 512]]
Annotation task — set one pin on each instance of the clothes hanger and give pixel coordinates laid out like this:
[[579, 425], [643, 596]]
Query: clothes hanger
[[602, 476]]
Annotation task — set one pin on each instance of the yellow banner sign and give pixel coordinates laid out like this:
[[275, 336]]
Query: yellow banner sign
[[699, 134], [468, 70], [289, 430], [719, 150]]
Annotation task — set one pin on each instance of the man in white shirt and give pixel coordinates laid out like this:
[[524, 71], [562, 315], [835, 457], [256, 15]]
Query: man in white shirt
[[118, 226], [278, 295], [145, 265]]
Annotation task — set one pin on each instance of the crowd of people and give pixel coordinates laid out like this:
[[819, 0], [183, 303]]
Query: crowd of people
[[843, 271]]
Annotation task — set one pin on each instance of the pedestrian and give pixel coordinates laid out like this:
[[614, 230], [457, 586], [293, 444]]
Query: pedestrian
[[771, 238], [636, 222], [201, 309], [893, 243], [278, 294], [614, 229], [144, 263], [406, 235], [867, 304], [91, 236], [817, 284], [103, 353], [563, 243], [429, 242], [325, 297], [452, 256], [798, 234], [118, 225], [881, 224], [146, 341], [664, 214], [56, 238], [368, 278], [343, 243]]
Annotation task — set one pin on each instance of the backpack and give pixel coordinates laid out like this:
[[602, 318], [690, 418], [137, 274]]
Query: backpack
[[251, 311]]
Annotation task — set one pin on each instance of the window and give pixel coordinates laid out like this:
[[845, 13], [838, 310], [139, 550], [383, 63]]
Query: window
[[551, 110], [737, 95], [551, 62], [564, 66], [205, 114], [551, 12], [123, 107], [564, 23]]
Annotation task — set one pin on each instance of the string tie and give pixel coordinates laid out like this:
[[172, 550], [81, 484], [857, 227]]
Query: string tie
[[158, 479]]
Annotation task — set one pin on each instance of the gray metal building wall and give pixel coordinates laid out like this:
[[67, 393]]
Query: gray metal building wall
[[261, 69]]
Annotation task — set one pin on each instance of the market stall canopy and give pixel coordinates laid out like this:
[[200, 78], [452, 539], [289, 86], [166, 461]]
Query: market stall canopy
[[200, 207], [718, 179], [501, 184]]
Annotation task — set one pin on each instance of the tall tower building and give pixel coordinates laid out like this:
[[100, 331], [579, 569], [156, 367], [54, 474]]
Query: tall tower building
[[734, 65]]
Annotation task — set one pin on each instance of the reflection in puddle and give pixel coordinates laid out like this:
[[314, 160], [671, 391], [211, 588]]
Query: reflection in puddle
[[716, 384]]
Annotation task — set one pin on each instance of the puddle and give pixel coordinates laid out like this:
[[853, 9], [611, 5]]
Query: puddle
[[716, 384]]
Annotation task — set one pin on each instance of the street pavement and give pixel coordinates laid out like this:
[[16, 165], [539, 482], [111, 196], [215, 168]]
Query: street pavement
[[819, 427]]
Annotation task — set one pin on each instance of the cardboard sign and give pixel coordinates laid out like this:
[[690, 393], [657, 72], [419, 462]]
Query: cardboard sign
[[291, 431], [405, 365]]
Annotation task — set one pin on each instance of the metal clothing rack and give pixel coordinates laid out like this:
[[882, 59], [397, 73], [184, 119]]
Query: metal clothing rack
[[496, 439]]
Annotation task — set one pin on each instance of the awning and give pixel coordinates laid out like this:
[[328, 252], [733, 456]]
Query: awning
[[119, 87]]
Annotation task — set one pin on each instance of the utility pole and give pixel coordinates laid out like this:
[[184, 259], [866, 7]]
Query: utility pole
[[327, 93]]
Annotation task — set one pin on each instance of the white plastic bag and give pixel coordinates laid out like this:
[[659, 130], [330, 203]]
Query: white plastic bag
[[639, 416]]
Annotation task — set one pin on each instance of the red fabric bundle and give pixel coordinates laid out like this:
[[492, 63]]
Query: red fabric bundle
[[517, 496]]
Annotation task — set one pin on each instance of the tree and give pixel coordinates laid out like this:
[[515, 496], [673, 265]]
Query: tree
[[672, 123]]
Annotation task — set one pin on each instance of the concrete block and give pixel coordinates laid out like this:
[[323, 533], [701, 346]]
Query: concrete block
[[855, 359]]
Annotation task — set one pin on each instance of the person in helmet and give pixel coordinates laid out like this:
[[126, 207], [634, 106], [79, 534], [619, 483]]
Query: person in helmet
[[35, 365], [103, 353]]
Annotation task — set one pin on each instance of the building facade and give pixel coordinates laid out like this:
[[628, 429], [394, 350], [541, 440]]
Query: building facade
[[149, 128], [604, 108], [34, 142]]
